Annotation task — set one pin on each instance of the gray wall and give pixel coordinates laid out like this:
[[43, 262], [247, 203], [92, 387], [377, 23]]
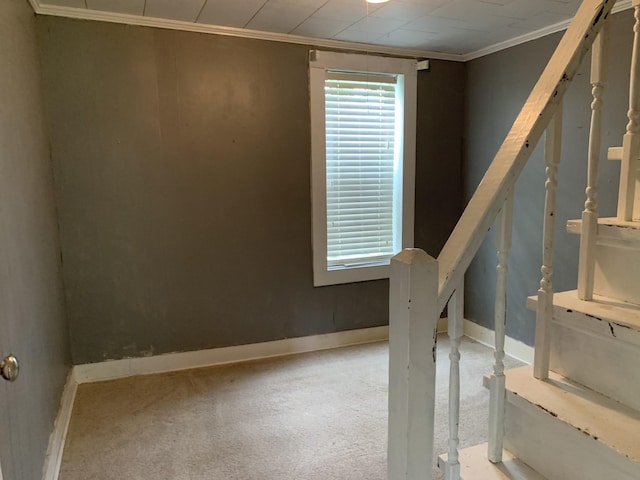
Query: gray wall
[[439, 154], [32, 322], [497, 86], [182, 179]]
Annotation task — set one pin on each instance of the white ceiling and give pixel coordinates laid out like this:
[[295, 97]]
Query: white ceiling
[[458, 27]]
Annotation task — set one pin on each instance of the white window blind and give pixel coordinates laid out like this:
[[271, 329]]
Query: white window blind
[[362, 123]]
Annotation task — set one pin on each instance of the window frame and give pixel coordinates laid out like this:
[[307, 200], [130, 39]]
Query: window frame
[[319, 63]]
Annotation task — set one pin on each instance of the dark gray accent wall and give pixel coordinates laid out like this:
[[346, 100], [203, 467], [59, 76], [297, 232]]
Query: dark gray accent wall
[[182, 168], [439, 154], [497, 87], [32, 320]]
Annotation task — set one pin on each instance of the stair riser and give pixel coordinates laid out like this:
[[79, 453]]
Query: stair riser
[[594, 357], [616, 273], [559, 451]]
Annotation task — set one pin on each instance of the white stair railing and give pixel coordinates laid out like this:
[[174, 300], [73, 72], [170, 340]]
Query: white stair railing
[[413, 324], [589, 229], [455, 327], [544, 312], [631, 139], [504, 225], [421, 286], [478, 216]]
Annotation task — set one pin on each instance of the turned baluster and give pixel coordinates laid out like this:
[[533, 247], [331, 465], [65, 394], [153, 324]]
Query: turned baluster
[[631, 140], [586, 262], [504, 223], [455, 330], [544, 310]]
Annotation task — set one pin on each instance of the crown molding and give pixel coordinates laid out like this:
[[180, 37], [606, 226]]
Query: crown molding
[[543, 32], [85, 14]]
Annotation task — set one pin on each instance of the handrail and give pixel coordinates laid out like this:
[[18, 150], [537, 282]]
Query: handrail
[[501, 176]]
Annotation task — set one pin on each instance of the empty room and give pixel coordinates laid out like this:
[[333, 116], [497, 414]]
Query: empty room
[[319, 239]]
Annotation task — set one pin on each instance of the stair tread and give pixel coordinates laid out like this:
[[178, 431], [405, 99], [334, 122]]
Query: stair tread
[[475, 466], [613, 221], [595, 415], [608, 221], [604, 308]]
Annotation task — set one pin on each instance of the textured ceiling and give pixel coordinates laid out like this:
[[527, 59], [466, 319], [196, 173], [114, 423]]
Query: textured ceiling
[[458, 27]]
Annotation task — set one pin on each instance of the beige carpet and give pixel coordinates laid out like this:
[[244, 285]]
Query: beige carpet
[[318, 416]]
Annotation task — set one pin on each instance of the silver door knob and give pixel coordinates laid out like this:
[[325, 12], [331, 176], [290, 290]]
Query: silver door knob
[[10, 368]]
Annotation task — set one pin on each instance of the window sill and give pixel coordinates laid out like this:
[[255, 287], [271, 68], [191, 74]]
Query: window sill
[[323, 278]]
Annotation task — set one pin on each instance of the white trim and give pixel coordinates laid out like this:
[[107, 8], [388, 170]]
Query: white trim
[[58, 436], [319, 62], [95, 372], [527, 37], [512, 42], [109, 370], [361, 63], [512, 347], [86, 14]]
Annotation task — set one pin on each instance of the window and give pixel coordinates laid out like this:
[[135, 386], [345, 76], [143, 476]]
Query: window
[[363, 111]]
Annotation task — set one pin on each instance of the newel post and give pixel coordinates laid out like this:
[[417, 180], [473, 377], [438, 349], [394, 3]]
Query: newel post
[[413, 318]]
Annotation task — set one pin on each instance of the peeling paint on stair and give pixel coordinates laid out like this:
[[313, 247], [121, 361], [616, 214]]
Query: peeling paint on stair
[[553, 414]]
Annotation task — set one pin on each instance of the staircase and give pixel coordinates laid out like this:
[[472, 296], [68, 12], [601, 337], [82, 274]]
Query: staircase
[[575, 413], [583, 421]]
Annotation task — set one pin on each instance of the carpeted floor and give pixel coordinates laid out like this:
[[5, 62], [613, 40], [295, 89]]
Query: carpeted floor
[[317, 416]]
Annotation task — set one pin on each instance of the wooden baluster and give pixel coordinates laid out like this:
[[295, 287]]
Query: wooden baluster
[[413, 319], [544, 310], [455, 330], [504, 224], [631, 140], [586, 263]]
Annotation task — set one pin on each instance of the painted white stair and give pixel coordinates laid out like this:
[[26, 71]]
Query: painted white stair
[[583, 423], [558, 430], [475, 466], [617, 258], [597, 344], [565, 431]]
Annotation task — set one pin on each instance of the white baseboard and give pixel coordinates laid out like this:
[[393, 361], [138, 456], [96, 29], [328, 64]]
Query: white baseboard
[[113, 369], [58, 436], [512, 347], [94, 372]]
